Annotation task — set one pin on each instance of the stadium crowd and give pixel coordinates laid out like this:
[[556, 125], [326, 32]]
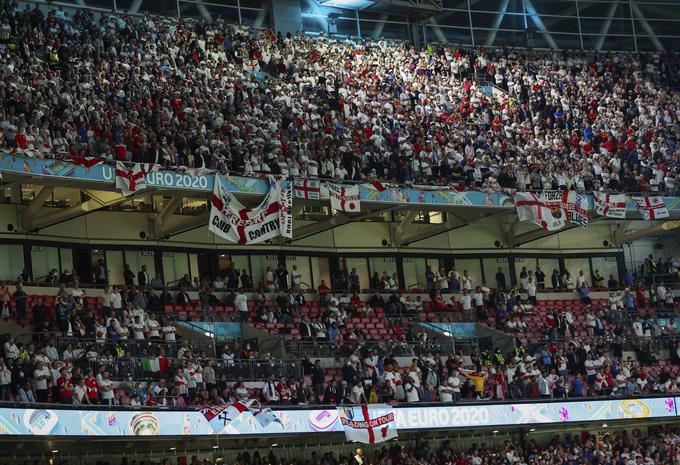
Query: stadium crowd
[[657, 446], [187, 93], [126, 352]]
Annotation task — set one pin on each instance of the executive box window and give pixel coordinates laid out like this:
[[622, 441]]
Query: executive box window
[[607, 266], [415, 268], [491, 266], [13, 261], [303, 267], [382, 265], [575, 265], [361, 266], [473, 266], [321, 269]]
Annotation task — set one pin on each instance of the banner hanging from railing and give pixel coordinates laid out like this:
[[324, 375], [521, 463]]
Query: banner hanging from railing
[[232, 221]]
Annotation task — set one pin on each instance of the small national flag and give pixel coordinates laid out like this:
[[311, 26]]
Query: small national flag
[[375, 185], [87, 162], [651, 208], [610, 205], [345, 197], [306, 188], [131, 180], [267, 416]]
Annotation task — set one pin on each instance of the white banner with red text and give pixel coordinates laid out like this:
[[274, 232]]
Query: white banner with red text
[[272, 218]]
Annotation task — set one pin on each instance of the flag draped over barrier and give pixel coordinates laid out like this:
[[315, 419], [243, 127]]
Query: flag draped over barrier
[[345, 197], [552, 210], [130, 180], [368, 426], [651, 208], [610, 205], [232, 221]]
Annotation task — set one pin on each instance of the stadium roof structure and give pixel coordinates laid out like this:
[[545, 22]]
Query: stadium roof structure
[[593, 25]]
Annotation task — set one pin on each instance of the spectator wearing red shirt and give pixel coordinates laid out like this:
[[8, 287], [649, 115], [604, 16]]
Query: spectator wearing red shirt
[[92, 387], [65, 384]]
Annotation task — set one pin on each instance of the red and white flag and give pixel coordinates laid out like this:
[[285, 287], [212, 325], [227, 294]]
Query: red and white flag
[[651, 208], [267, 416], [220, 417], [232, 221], [87, 162], [375, 185], [307, 188], [345, 197], [368, 426], [546, 209], [130, 181], [610, 205]]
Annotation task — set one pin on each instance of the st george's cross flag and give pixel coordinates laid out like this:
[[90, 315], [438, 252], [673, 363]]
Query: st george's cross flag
[[130, 180], [232, 221], [307, 188], [345, 197], [541, 210], [368, 426], [651, 208], [610, 205]]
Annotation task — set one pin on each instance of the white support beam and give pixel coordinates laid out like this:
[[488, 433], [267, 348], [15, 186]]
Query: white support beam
[[491, 37], [536, 18], [620, 231], [36, 205], [437, 30], [337, 220], [136, 5], [660, 228], [415, 234], [646, 27], [168, 209], [101, 199], [379, 26], [606, 24], [184, 225]]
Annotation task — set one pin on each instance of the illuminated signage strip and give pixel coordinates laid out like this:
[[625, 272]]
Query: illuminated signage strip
[[193, 181], [121, 423]]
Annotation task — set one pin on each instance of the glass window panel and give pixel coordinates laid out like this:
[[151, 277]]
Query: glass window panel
[[521, 262], [594, 26], [449, 35], [255, 18], [260, 264], [473, 267], [382, 265], [491, 266], [12, 263], [192, 10], [303, 267], [575, 265], [555, 7], [548, 265], [114, 263], [44, 260], [66, 256], [595, 9], [483, 20], [361, 266], [322, 271], [606, 266], [652, 12], [346, 27], [454, 20], [175, 266], [193, 265], [137, 258], [414, 272]]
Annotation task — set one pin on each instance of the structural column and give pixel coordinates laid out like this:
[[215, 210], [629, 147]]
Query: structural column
[[285, 16]]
